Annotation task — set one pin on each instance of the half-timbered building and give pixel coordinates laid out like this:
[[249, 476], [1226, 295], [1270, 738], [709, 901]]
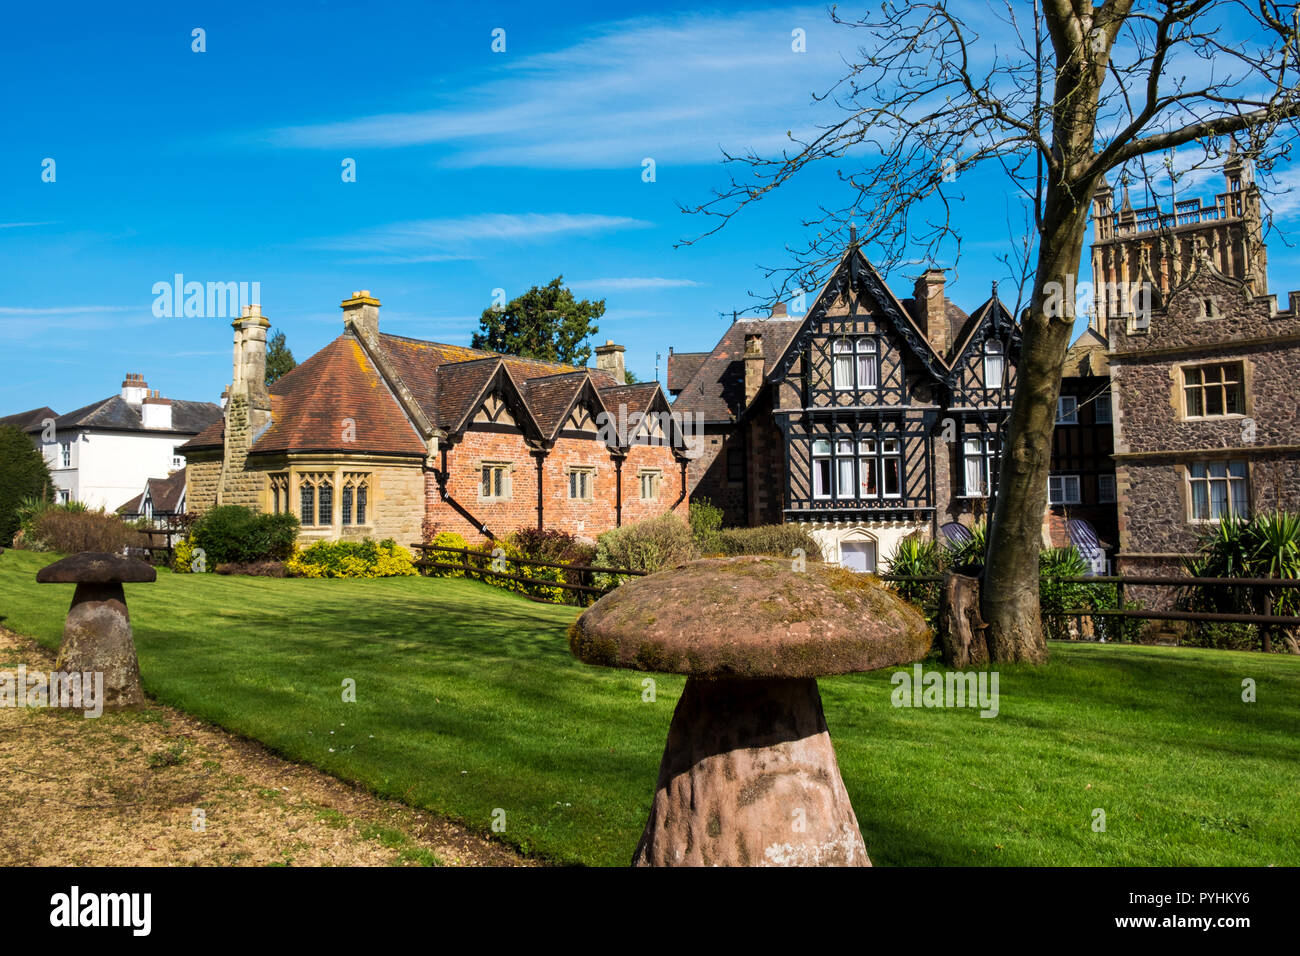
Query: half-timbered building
[[870, 418]]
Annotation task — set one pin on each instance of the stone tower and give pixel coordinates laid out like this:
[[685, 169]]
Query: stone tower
[[1130, 246]]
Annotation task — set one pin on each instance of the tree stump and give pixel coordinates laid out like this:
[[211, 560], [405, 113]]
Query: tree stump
[[962, 632]]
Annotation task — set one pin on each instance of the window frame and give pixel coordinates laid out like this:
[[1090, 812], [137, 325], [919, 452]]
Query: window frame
[[993, 348], [1073, 418], [853, 350], [1228, 478], [586, 482], [497, 475], [1062, 478], [1107, 498], [1222, 386], [655, 476]]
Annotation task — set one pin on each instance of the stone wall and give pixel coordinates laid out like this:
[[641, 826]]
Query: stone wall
[[1212, 319]]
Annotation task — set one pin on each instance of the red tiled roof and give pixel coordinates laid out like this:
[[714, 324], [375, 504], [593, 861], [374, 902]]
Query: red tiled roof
[[335, 391]]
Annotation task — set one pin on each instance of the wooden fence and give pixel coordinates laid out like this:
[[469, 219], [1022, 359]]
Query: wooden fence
[[1267, 621], [479, 565]]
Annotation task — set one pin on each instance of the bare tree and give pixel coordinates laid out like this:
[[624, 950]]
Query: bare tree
[[1057, 93]]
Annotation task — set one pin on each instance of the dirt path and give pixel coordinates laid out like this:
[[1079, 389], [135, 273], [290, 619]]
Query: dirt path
[[123, 789]]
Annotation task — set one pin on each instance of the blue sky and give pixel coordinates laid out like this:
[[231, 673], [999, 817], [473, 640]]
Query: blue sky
[[475, 170]]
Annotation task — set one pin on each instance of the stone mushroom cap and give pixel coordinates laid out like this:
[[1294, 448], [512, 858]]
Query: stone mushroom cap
[[751, 617], [96, 567]]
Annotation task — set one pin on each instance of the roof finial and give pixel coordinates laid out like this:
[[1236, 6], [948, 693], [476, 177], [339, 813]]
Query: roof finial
[[853, 235], [995, 288]]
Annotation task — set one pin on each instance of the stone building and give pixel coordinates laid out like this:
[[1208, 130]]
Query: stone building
[[868, 419], [1082, 508], [380, 436], [1203, 382]]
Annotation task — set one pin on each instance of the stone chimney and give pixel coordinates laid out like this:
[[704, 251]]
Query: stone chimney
[[249, 372], [609, 358], [932, 314], [361, 312], [156, 412], [779, 311], [754, 365], [134, 388], [248, 409]]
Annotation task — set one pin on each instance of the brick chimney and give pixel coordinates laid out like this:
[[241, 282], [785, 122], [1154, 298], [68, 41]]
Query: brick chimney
[[134, 388], [361, 312], [609, 358], [931, 312], [156, 412], [754, 365]]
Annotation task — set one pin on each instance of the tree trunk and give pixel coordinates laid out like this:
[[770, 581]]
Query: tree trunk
[[1010, 586], [961, 629]]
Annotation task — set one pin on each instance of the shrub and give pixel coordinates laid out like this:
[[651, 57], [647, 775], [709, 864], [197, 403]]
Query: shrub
[[23, 475], [706, 522], [183, 557], [351, 559], [778, 540], [650, 545], [562, 548], [235, 534], [505, 551], [1055, 595], [446, 539], [918, 556], [69, 530], [967, 557]]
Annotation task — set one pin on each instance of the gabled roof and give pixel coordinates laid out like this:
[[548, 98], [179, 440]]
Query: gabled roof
[[166, 494], [29, 421], [116, 414], [337, 389], [682, 367], [385, 383], [991, 317], [1087, 356], [716, 392]]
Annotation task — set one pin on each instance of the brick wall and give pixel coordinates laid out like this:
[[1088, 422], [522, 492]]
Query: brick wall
[[586, 518]]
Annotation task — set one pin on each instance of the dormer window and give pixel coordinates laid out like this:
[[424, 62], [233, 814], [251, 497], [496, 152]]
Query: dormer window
[[855, 363], [993, 365]]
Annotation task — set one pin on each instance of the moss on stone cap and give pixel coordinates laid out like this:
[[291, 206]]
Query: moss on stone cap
[[751, 617]]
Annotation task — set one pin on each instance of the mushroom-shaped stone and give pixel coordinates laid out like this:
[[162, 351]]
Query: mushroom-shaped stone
[[97, 634], [749, 775]]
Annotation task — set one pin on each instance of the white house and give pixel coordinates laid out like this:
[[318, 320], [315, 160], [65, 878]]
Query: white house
[[104, 453]]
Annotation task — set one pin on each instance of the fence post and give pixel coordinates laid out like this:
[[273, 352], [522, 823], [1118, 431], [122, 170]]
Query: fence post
[[1266, 632], [1119, 604]]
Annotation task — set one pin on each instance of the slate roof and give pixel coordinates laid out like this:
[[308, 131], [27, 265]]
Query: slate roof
[[166, 494], [682, 367], [717, 388], [29, 421], [116, 414], [716, 391]]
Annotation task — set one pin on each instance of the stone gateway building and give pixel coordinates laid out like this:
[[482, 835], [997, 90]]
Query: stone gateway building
[[1204, 382], [383, 436]]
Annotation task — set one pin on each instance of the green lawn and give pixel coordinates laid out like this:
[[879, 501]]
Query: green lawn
[[468, 701]]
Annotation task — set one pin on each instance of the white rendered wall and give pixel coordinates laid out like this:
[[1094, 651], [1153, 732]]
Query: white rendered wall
[[108, 469]]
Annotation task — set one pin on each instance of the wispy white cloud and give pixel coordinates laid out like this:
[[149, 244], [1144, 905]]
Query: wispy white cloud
[[24, 225], [441, 240], [66, 310], [634, 282], [620, 93]]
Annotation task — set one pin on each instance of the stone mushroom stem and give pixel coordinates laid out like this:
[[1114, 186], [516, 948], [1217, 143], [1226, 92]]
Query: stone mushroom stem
[[749, 778], [97, 638]]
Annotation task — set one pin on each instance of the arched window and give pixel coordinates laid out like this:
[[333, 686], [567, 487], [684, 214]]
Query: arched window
[[316, 500], [355, 492]]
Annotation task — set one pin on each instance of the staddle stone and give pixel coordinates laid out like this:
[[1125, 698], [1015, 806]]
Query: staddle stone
[[749, 775], [97, 634]]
